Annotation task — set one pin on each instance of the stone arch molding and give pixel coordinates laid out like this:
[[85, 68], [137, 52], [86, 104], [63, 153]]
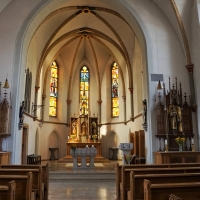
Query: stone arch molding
[[29, 26]]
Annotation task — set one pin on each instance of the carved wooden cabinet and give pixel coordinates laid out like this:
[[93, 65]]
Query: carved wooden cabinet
[[173, 117], [176, 157]]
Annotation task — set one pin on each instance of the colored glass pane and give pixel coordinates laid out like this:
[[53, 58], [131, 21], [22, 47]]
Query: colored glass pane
[[115, 90], [84, 91], [53, 90]]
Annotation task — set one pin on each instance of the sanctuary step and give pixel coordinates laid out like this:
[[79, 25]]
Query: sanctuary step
[[105, 176], [97, 159]]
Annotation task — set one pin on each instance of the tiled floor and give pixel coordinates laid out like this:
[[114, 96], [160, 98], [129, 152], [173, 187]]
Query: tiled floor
[[68, 184]]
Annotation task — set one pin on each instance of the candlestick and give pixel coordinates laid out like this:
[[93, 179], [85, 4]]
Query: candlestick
[[165, 141], [192, 141]]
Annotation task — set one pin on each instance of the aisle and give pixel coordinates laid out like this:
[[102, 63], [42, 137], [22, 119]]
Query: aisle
[[68, 184]]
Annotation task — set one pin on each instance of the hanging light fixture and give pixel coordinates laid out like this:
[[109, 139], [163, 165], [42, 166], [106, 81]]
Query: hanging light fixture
[[6, 84], [159, 87]]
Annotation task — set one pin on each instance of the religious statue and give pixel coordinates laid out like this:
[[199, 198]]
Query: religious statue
[[74, 130], [21, 112], [175, 118], [94, 128], [144, 113]]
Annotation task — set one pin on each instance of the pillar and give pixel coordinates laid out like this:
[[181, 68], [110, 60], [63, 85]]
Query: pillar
[[68, 111], [124, 99], [192, 91], [131, 98]]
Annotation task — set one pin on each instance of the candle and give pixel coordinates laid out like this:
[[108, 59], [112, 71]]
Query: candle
[[192, 141], [165, 141]]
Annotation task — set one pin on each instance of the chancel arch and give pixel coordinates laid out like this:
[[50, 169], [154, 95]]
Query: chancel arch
[[146, 46]]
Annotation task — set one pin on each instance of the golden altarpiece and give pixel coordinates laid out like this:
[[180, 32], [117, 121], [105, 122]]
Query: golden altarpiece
[[84, 132], [83, 129], [173, 118]]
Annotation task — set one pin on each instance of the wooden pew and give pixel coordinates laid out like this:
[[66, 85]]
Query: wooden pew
[[174, 197], [23, 185], [120, 171], [125, 185], [36, 178], [7, 192], [162, 191], [45, 175], [137, 181]]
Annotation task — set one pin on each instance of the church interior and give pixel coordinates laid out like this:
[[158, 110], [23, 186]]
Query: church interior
[[120, 77]]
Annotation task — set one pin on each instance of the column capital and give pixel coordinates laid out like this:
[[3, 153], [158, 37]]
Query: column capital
[[99, 102], [131, 89], [190, 68], [37, 88], [68, 101]]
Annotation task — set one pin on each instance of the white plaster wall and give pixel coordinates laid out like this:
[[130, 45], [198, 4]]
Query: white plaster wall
[[4, 3], [195, 49]]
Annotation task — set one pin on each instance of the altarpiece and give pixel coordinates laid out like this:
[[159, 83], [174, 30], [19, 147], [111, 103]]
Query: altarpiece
[[173, 118]]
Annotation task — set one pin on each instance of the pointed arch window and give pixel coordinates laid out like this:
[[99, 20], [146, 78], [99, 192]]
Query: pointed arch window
[[115, 90], [84, 90], [53, 90]]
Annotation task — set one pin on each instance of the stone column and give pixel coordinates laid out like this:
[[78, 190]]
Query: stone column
[[192, 91], [68, 111], [131, 97], [43, 103], [99, 111], [35, 103], [124, 98]]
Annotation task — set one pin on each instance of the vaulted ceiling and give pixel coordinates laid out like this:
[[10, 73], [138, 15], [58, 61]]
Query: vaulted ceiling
[[96, 36]]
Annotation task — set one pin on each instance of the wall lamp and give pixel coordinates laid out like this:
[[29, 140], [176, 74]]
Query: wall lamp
[[35, 107]]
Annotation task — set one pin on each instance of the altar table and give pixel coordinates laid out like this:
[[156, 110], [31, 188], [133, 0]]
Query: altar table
[[97, 145]]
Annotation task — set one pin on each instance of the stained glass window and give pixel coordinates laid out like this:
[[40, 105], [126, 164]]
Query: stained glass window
[[115, 90], [84, 90], [53, 90]]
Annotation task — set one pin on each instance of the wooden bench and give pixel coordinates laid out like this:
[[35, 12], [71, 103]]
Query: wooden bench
[[161, 191], [125, 184], [36, 178], [45, 175], [7, 192], [120, 171], [174, 197], [23, 185], [136, 182]]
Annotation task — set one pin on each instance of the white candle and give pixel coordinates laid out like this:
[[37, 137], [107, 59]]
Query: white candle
[[192, 141], [165, 141]]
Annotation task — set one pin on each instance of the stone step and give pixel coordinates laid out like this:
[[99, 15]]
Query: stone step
[[109, 176]]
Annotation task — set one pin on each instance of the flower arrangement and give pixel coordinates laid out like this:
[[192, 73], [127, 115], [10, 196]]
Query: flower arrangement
[[94, 137], [127, 158], [180, 140]]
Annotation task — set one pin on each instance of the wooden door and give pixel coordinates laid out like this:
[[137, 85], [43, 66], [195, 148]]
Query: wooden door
[[24, 145]]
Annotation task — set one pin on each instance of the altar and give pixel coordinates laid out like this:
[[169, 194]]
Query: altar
[[69, 145], [83, 132], [97, 145]]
